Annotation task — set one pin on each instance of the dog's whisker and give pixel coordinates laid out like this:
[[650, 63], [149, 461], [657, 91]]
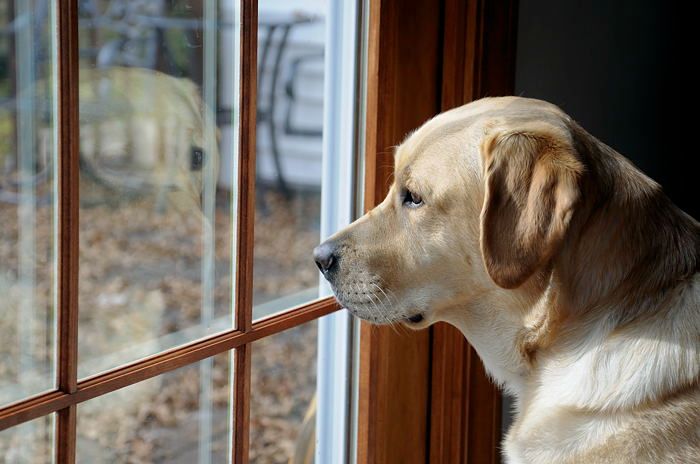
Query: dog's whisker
[[380, 314], [377, 310], [383, 292], [383, 302], [387, 311], [389, 322], [382, 310], [389, 296]]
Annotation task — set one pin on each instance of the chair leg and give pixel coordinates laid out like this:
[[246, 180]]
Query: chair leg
[[281, 181]]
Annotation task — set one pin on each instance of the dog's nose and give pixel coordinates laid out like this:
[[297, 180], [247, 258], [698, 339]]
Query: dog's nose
[[325, 257]]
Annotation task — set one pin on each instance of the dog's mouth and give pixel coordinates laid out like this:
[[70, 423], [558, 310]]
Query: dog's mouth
[[380, 306], [415, 319]]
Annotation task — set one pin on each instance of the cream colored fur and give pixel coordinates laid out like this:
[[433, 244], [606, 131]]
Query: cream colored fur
[[572, 275]]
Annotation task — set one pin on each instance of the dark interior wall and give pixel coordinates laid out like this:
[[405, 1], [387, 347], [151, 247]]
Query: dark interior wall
[[621, 69]]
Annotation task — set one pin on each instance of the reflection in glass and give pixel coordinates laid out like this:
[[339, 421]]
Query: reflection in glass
[[157, 185], [28, 443], [283, 396], [180, 417], [291, 41], [27, 200]]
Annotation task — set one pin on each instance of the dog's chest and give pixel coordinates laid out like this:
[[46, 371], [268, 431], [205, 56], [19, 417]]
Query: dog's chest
[[554, 434]]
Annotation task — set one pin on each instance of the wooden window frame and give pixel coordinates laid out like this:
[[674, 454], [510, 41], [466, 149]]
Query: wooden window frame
[[423, 57], [424, 396]]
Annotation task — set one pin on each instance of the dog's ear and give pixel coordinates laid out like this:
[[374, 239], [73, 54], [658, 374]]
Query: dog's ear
[[532, 187]]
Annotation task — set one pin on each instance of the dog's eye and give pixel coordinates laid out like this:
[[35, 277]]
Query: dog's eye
[[412, 200]]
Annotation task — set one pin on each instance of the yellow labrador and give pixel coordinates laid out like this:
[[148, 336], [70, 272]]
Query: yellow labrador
[[568, 270]]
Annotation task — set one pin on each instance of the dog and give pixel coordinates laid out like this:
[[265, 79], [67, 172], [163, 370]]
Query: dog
[[567, 269]]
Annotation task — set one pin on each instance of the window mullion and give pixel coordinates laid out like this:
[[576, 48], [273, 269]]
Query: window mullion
[[245, 223], [241, 404], [67, 222], [66, 426], [246, 165]]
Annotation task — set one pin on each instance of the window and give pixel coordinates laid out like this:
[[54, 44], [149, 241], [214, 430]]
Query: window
[[165, 171], [163, 167]]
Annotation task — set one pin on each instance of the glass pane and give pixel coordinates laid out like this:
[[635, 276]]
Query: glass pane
[[291, 43], [158, 138], [181, 417], [283, 396], [28, 443], [27, 200]]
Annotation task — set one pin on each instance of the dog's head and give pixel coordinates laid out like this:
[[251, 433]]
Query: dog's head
[[481, 201]]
